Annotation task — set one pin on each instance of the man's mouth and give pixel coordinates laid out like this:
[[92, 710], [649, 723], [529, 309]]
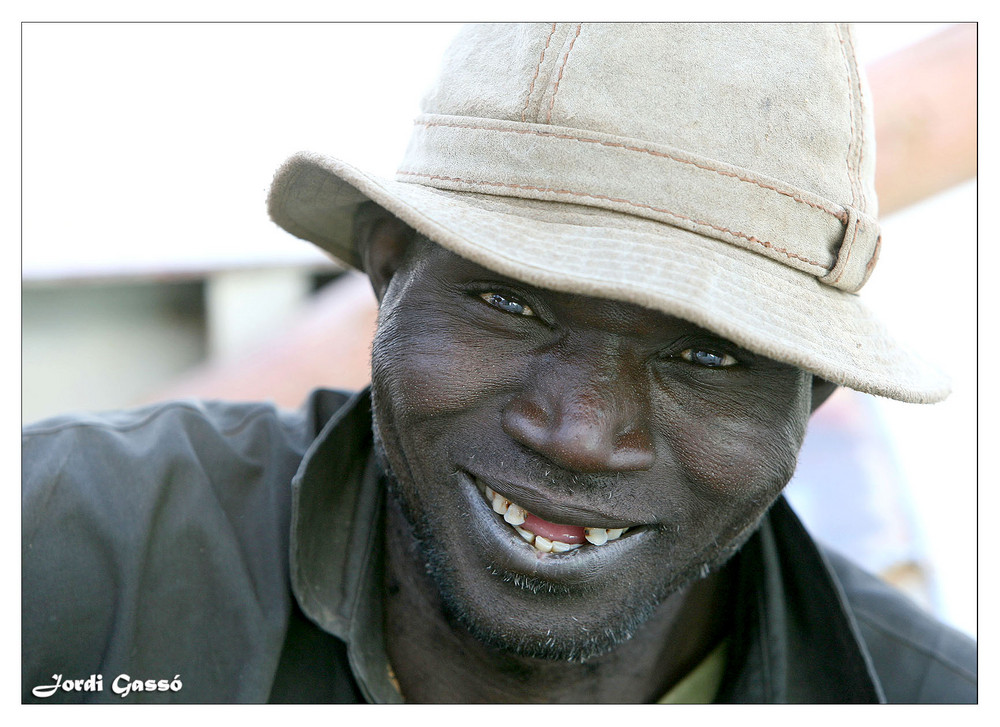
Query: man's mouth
[[542, 535]]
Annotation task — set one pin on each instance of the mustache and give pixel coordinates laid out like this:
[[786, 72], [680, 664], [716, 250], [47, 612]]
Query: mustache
[[526, 467]]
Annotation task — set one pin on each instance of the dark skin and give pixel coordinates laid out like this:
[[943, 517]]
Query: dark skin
[[586, 412]]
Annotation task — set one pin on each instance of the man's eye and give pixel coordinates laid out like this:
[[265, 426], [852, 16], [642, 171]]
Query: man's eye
[[708, 358], [507, 304]]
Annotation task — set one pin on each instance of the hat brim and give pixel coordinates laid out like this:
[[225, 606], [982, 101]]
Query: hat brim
[[755, 302]]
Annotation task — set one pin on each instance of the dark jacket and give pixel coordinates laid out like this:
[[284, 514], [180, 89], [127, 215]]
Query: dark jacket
[[235, 551]]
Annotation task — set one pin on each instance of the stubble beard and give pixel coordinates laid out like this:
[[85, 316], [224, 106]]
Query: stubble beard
[[623, 624]]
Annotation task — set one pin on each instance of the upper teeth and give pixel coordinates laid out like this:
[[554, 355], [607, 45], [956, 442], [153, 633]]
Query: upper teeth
[[515, 515]]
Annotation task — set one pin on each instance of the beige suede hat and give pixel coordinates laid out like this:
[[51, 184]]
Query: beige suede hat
[[722, 173]]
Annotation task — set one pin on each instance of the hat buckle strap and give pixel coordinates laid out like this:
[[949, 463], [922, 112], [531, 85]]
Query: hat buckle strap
[[766, 216], [858, 252]]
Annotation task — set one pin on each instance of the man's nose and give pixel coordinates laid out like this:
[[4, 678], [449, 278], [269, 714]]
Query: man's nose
[[583, 421]]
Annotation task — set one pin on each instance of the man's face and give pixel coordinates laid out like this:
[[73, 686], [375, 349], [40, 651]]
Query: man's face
[[582, 412]]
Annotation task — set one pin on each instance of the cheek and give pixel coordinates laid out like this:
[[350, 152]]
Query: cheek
[[744, 449], [740, 461], [433, 367]]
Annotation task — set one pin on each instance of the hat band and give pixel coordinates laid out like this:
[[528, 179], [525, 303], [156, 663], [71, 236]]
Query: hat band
[[836, 244]]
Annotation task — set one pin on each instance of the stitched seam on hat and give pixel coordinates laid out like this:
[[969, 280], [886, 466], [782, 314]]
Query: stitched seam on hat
[[871, 262], [538, 68], [840, 215], [856, 79], [552, 101], [850, 96], [850, 249], [701, 223]]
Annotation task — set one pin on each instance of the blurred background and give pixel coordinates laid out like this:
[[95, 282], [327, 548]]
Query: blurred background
[[150, 269]]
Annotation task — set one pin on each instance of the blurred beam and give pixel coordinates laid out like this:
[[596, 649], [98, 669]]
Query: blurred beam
[[924, 100], [247, 306], [327, 345]]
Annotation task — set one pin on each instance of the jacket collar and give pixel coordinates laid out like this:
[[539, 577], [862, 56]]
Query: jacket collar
[[793, 638], [336, 544]]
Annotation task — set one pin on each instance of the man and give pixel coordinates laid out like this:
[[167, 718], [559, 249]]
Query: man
[[616, 273]]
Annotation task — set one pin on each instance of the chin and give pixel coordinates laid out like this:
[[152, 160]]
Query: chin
[[526, 616]]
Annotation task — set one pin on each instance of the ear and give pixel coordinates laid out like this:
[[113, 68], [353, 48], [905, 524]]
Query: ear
[[821, 390], [381, 240]]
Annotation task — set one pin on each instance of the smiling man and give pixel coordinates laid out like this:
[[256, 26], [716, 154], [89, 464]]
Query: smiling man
[[569, 469], [617, 272]]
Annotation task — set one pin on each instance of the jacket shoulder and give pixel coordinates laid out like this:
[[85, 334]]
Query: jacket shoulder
[[917, 658], [156, 539]]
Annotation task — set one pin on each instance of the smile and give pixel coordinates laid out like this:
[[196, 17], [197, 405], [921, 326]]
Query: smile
[[542, 535]]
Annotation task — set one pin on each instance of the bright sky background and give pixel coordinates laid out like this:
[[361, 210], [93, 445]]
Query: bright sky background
[[149, 148]]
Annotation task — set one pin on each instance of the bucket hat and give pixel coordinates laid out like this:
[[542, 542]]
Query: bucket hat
[[721, 173]]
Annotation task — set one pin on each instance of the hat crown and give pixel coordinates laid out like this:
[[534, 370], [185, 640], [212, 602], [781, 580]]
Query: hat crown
[[785, 101], [719, 173]]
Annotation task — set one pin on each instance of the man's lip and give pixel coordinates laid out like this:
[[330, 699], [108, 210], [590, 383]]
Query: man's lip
[[501, 547], [551, 506]]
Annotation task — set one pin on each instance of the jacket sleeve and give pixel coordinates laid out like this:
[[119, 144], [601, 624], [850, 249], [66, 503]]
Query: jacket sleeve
[[154, 545]]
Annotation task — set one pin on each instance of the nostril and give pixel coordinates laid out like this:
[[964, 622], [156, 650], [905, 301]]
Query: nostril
[[633, 451], [582, 442], [526, 422], [637, 439], [529, 412]]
